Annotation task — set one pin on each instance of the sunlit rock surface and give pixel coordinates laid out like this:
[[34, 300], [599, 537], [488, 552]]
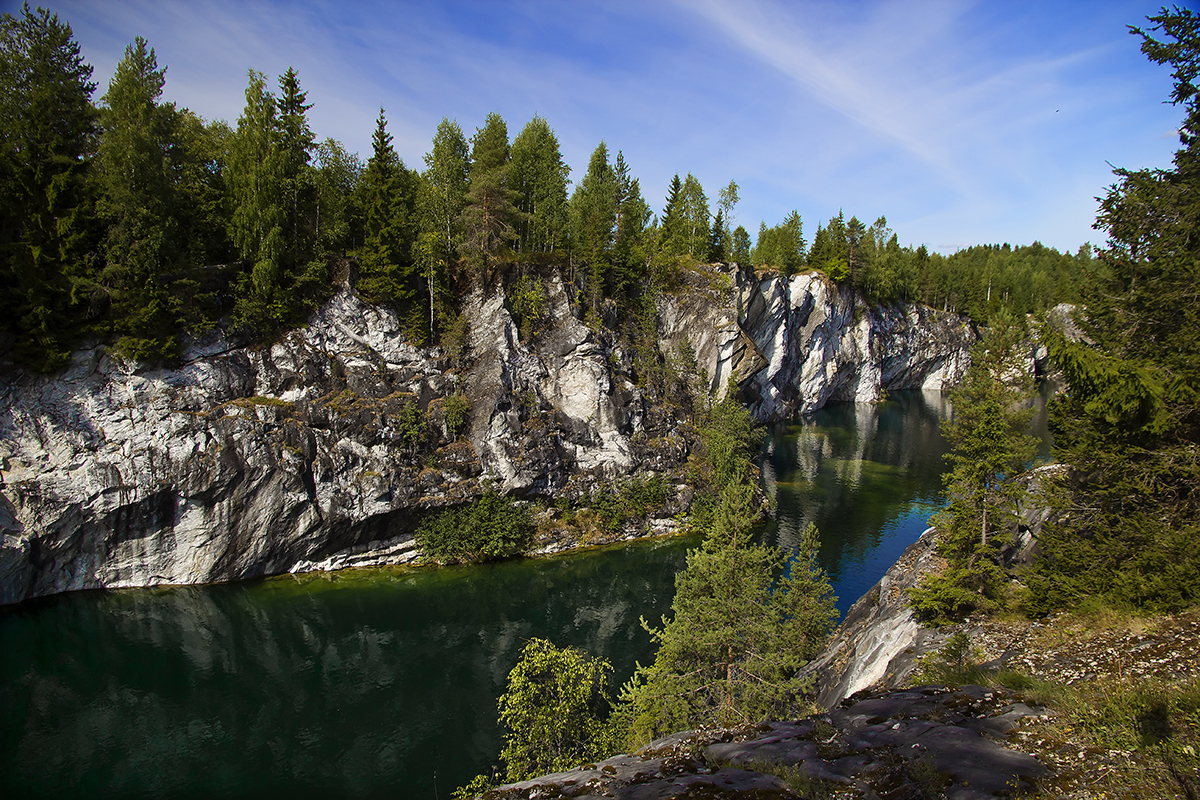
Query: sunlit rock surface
[[932, 740], [242, 462]]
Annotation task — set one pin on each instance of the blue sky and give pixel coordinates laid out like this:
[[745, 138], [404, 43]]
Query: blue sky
[[962, 122]]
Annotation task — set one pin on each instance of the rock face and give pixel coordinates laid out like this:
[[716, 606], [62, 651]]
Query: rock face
[[924, 742], [880, 641], [323, 450]]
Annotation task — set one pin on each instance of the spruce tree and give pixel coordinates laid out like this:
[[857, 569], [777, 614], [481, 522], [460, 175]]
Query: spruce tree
[[1129, 425], [48, 134], [388, 197], [144, 243], [672, 238], [297, 144]]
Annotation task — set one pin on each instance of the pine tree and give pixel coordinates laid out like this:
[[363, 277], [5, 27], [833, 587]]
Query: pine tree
[[490, 217], [990, 446], [48, 132], [743, 623], [745, 617]]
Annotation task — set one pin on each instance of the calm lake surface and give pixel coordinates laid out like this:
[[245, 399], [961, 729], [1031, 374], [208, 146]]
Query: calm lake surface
[[383, 683]]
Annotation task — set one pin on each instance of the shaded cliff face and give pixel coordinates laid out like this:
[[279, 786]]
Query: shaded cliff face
[[310, 454]]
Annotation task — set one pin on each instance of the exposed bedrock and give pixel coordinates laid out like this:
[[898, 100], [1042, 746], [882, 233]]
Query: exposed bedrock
[[242, 462]]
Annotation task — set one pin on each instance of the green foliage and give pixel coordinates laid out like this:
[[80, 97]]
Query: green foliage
[[336, 212], [782, 246], [555, 707], [389, 192], [1130, 423], [742, 625], [631, 498], [539, 177], [443, 193], [955, 664], [475, 788], [490, 218], [455, 410], [255, 174], [47, 139], [490, 528], [593, 209], [989, 447], [529, 303], [411, 424]]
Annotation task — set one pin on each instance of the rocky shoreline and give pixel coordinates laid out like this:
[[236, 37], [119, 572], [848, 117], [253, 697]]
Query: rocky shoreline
[[244, 462]]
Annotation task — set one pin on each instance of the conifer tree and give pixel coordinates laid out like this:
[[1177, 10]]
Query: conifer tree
[[296, 144], [48, 130], [256, 175], [1130, 423], [740, 247], [138, 201], [539, 177], [744, 617], [671, 237], [630, 252], [990, 446], [388, 192], [490, 216], [593, 224]]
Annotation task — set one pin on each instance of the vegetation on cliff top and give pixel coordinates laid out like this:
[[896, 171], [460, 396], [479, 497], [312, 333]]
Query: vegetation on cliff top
[[142, 223]]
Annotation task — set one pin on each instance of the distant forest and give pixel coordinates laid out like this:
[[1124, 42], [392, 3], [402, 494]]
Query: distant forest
[[141, 223]]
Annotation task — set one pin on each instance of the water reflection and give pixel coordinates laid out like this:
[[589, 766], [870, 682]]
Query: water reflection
[[383, 684], [868, 475]]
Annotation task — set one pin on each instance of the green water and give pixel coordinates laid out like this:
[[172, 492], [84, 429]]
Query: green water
[[383, 683]]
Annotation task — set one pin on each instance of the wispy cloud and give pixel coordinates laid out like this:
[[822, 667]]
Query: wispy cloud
[[962, 121]]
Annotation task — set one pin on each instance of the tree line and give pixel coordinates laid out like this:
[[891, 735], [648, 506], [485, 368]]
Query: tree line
[[140, 222], [1127, 425]]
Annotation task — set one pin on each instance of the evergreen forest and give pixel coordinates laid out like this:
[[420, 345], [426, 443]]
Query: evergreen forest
[[129, 220]]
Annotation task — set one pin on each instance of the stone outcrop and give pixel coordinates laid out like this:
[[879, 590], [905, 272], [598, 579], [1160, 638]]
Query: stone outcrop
[[923, 742], [880, 641], [323, 450]]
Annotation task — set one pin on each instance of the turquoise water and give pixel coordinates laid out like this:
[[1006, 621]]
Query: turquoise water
[[383, 683]]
